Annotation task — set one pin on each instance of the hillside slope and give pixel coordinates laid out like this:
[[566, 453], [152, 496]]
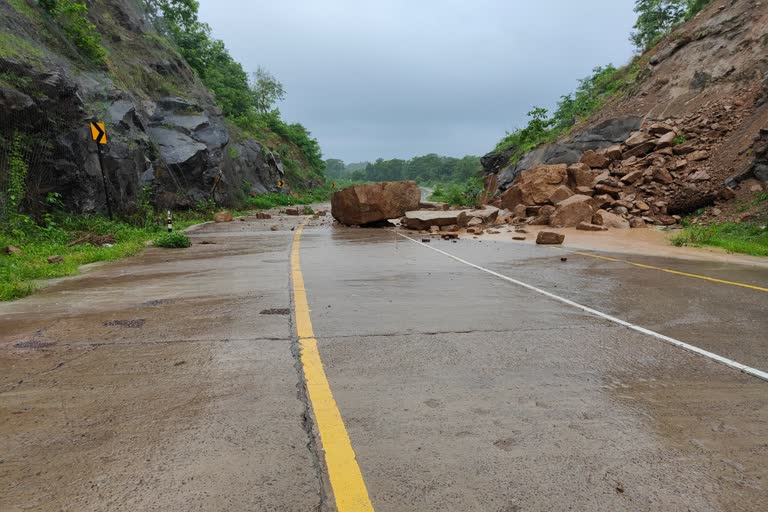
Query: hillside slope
[[706, 80], [169, 143]]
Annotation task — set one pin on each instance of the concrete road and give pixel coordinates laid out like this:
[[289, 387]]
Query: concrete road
[[176, 380]]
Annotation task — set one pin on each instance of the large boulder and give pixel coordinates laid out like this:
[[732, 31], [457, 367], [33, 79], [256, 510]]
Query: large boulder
[[573, 211], [424, 219], [359, 205], [535, 186]]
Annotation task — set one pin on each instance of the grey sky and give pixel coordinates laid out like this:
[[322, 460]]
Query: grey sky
[[400, 78]]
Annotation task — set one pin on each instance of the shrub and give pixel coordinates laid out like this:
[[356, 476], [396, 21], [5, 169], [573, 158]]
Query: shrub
[[72, 17], [175, 239]]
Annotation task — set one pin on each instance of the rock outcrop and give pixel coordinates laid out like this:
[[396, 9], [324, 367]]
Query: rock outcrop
[[361, 205], [168, 141]]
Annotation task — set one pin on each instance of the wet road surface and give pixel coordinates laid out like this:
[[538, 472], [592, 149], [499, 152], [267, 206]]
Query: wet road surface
[[171, 381]]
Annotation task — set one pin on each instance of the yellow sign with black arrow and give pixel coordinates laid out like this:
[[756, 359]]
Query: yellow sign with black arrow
[[99, 132], [280, 183]]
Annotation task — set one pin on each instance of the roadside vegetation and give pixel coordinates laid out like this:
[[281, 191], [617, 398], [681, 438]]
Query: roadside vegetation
[[741, 237], [749, 237], [84, 239], [459, 194]]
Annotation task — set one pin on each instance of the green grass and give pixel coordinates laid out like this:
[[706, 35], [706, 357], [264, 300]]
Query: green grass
[[15, 47], [744, 238], [18, 272], [173, 240]]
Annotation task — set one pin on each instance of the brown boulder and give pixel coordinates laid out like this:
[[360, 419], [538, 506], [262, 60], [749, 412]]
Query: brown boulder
[[632, 176], [543, 216], [614, 152], [561, 193], [572, 211], [55, 259], [534, 186], [594, 160], [375, 202], [486, 215], [637, 222], [660, 129], [641, 150], [12, 249], [261, 215], [549, 238], [637, 139], [223, 217], [580, 175], [666, 140], [609, 220]]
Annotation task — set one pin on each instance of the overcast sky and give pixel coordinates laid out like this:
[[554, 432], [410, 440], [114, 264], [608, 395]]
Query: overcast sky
[[401, 78]]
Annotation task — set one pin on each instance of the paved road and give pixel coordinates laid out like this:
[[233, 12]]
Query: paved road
[[175, 380]]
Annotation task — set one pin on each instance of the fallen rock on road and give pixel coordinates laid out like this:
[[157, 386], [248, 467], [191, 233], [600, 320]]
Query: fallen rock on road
[[361, 205], [549, 238]]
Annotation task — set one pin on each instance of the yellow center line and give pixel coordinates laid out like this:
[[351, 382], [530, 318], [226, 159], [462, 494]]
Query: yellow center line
[[344, 473], [677, 272]]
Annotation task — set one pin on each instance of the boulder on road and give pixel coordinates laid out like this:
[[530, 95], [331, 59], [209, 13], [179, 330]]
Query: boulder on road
[[424, 219], [487, 214], [572, 211], [549, 238], [359, 205], [223, 217], [534, 186]]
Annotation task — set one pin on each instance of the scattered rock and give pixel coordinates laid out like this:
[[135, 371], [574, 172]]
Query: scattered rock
[[519, 238], [549, 238], [614, 152], [292, 211], [697, 156], [261, 215], [55, 259], [274, 228], [223, 217], [636, 222], [13, 250], [666, 140]]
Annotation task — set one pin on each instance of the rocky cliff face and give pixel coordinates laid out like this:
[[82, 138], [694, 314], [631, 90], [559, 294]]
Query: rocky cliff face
[[168, 141], [709, 80]]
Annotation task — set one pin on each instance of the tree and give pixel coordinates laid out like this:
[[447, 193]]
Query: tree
[[656, 18], [266, 91]]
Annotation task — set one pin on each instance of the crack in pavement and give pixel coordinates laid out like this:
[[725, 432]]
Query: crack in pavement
[[469, 331]]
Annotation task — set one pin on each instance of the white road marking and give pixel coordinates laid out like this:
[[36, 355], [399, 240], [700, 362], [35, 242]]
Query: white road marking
[[709, 355]]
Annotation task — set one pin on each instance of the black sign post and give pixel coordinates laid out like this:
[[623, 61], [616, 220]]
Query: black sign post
[[99, 134]]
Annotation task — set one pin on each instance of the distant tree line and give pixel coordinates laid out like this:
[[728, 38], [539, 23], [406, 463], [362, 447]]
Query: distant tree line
[[427, 169]]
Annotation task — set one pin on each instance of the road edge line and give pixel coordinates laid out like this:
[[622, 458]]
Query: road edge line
[[754, 372], [344, 473]]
